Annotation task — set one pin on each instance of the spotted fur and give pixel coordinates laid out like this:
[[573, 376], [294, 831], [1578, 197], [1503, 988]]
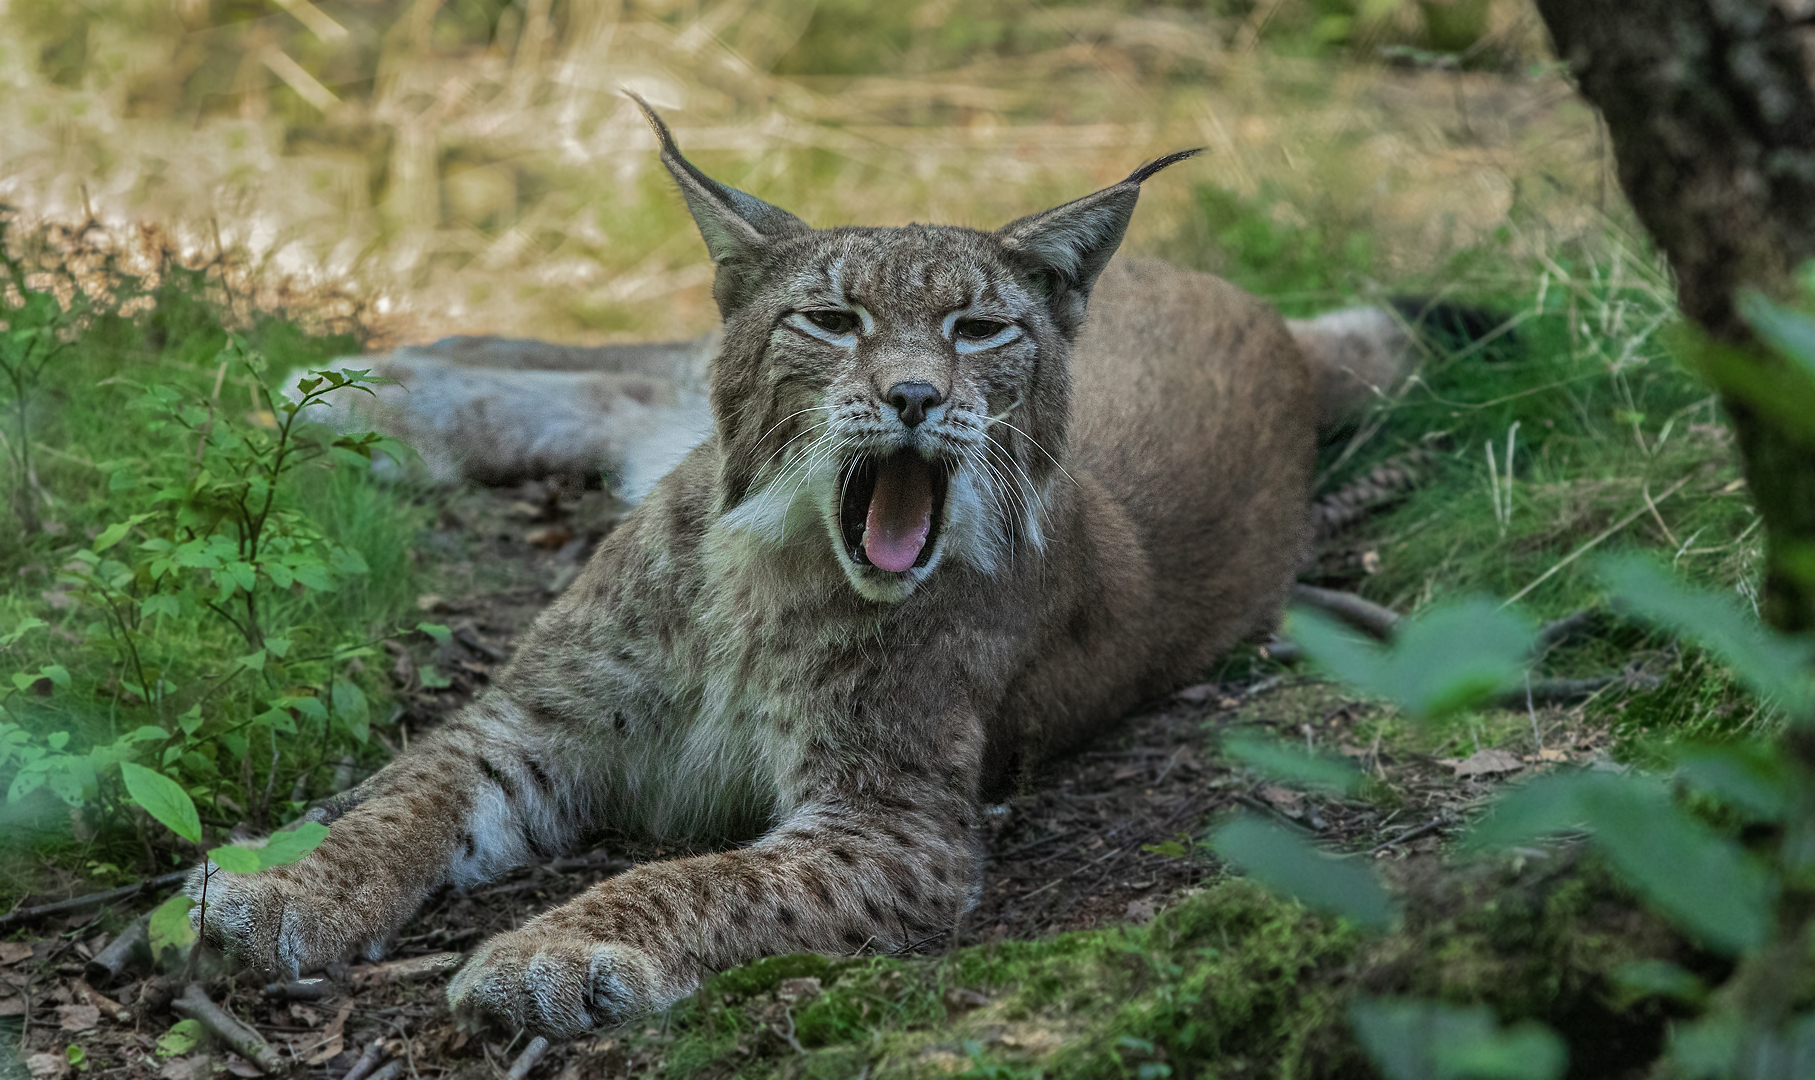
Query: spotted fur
[[1127, 499]]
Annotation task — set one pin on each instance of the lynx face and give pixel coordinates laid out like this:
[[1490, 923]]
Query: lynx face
[[890, 412], [901, 392]]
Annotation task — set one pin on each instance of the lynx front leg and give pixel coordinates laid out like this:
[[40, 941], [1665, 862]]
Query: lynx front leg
[[881, 871], [485, 793]]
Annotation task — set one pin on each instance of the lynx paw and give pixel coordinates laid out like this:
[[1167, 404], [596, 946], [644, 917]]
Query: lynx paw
[[553, 984], [275, 926]]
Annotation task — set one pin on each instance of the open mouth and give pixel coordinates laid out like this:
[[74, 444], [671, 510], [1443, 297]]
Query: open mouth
[[891, 509]]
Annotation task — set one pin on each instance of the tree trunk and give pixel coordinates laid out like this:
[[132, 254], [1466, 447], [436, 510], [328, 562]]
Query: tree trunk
[[1711, 108]]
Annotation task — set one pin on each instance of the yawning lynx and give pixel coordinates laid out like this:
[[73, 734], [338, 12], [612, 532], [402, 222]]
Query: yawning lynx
[[945, 526]]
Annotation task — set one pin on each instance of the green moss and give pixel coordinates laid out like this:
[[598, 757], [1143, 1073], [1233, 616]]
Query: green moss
[[1228, 982]]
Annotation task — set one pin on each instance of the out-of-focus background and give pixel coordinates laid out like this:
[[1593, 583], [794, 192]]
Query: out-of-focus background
[[473, 165]]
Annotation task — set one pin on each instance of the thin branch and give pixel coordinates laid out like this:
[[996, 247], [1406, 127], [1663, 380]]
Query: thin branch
[[1362, 614], [76, 903], [242, 1040]]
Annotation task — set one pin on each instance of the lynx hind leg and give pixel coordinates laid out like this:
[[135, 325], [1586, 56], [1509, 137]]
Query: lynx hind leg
[[485, 793]]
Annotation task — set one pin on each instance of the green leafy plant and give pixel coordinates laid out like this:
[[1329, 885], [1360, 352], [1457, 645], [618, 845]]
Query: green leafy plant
[[1745, 899], [36, 333], [210, 600], [165, 800]]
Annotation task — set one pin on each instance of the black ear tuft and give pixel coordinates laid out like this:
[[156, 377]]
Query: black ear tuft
[[733, 224], [1141, 174]]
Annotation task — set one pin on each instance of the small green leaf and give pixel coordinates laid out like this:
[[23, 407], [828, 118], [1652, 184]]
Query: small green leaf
[[433, 679], [1447, 658], [277, 720], [1641, 979], [1410, 1039], [1699, 880], [350, 706], [315, 576], [56, 673], [57, 740], [26, 625], [440, 633], [1750, 777], [183, 1036], [160, 604], [190, 721], [1770, 664], [116, 532], [1290, 765], [164, 799], [1790, 332], [277, 646], [306, 704], [289, 845], [234, 859], [78, 1058], [169, 926], [253, 661], [1282, 861]]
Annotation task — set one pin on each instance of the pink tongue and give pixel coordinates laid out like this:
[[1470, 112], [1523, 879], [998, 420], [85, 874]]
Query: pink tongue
[[901, 512]]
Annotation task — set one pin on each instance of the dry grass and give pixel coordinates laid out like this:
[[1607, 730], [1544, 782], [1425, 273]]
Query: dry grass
[[482, 172]]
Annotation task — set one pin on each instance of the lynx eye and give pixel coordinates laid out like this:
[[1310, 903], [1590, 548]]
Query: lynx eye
[[978, 329], [971, 334], [832, 322]]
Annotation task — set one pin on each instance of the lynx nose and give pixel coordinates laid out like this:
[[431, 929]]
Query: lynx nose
[[912, 399]]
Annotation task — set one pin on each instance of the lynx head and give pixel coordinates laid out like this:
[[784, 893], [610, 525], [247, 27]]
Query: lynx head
[[898, 393]]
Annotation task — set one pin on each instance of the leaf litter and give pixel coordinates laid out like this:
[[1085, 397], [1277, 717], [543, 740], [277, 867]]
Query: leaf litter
[[1110, 837]]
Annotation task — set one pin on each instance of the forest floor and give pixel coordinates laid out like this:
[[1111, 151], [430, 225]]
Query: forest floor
[[1106, 840]]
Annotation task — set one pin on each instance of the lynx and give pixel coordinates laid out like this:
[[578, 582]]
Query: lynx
[[967, 498]]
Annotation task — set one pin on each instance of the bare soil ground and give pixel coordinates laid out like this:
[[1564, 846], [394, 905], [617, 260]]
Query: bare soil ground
[[1107, 838]]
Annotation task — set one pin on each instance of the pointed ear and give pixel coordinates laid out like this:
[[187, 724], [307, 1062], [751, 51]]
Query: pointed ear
[[1065, 248], [734, 225]]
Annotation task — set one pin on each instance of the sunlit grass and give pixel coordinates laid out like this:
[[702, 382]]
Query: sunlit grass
[[474, 167]]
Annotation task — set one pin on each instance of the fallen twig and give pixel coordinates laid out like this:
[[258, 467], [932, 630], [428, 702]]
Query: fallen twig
[[1281, 651], [242, 1040], [374, 1053], [1362, 614], [527, 1060], [414, 969], [1072, 874], [111, 961], [110, 1008], [75, 903], [1556, 691], [1559, 630], [1032, 844], [392, 1071], [1414, 833], [300, 989]]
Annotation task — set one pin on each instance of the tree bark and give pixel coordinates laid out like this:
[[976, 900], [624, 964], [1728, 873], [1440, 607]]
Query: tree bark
[[1710, 105]]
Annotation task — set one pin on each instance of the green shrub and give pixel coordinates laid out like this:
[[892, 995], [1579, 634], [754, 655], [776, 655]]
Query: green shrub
[[190, 591]]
